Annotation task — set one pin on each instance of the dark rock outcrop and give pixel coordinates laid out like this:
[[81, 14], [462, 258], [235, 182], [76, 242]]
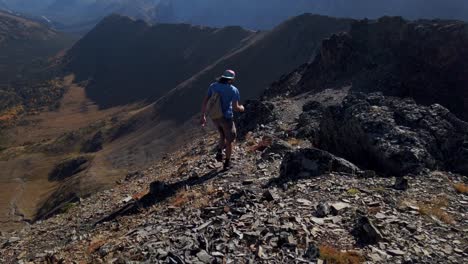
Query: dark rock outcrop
[[286, 84], [69, 168], [395, 136], [277, 147], [365, 231], [306, 163], [309, 121], [426, 60], [257, 113]]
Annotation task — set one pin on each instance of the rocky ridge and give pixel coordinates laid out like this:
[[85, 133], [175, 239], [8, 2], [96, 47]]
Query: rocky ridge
[[424, 60], [193, 212]]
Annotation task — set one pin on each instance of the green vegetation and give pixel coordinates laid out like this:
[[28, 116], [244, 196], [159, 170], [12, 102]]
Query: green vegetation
[[353, 191]]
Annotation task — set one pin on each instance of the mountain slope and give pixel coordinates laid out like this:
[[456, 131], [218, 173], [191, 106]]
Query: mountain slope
[[25, 47], [120, 53], [128, 60], [425, 60], [258, 64], [282, 201]]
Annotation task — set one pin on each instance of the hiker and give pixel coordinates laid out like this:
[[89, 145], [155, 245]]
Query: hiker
[[222, 99]]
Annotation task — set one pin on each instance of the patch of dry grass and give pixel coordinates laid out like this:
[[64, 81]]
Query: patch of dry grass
[[434, 208], [461, 188], [332, 255], [197, 198], [294, 141]]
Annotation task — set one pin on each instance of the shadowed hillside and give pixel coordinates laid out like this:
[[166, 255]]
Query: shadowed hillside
[[24, 42], [259, 63], [25, 48], [128, 61]]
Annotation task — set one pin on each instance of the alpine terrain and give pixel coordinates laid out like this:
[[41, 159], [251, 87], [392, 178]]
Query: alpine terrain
[[353, 146]]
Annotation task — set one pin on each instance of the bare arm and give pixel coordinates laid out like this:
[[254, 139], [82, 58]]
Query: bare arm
[[238, 107], [204, 105]]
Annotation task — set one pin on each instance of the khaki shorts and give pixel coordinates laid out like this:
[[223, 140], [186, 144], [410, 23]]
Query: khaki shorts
[[226, 128]]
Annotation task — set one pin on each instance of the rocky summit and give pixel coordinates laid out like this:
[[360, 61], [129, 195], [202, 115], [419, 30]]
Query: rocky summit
[[284, 200], [360, 155]]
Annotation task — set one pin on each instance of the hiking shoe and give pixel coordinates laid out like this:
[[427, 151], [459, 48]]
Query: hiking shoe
[[219, 156], [227, 165]]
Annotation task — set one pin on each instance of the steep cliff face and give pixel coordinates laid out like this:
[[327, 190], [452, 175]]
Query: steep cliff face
[[425, 60]]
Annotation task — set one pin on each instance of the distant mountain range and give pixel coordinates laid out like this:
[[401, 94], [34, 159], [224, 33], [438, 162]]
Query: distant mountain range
[[82, 15]]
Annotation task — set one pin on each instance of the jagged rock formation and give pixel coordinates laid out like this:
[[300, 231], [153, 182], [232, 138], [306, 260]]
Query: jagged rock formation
[[395, 136], [425, 60]]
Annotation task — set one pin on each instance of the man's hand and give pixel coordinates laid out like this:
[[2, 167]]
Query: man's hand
[[203, 120], [238, 107]]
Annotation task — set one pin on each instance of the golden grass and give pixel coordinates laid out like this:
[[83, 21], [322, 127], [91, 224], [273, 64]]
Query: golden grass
[[434, 208], [461, 188], [332, 255], [95, 245], [11, 114], [294, 141], [194, 198]]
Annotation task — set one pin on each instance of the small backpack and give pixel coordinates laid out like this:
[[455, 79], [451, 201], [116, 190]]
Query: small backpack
[[214, 108]]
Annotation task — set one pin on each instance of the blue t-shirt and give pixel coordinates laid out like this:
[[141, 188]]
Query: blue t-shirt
[[228, 94]]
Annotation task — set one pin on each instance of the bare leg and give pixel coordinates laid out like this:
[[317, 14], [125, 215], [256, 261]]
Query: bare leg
[[221, 146], [222, 139], [229, 147]]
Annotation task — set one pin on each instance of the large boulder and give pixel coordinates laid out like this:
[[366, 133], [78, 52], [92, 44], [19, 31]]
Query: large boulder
[[312, 162], [395, 136]]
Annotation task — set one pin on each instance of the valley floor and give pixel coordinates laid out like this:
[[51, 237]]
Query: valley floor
[[27, 162], [197, 213]]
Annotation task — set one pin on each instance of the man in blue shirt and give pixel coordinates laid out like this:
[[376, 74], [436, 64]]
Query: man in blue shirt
[[230, 98]]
